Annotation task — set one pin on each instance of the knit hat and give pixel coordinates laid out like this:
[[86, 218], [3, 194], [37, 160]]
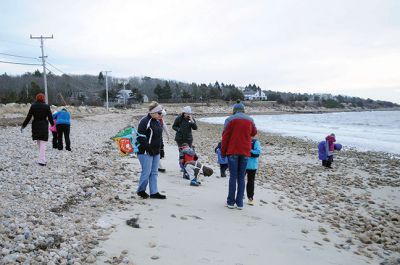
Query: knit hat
[[238, 107], [187, 110]]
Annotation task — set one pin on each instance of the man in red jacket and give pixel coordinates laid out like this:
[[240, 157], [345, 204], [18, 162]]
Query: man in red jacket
[[239, 128]]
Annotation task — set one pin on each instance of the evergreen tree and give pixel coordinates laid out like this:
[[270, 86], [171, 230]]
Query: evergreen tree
[[100, 78], [158, 91], [37, 73], [35, 89], [167, 92], [215, 93], [186, 95]]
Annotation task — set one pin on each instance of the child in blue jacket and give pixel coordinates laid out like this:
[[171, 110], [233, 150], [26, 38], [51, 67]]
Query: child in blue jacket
[[251, 169], [63, 126], [222, 161]]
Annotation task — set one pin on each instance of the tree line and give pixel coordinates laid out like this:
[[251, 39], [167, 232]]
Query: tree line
[[90, 90]]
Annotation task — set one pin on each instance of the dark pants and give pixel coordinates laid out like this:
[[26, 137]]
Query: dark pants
[[328, 162], [55, 142], [180, 143], [63, 129], [251, 175], [223, 168]]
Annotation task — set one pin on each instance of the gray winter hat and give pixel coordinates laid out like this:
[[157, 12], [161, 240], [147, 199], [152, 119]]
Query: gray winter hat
[[238, 107]]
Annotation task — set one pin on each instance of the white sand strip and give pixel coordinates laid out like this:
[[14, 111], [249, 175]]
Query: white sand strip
[[193, 227]]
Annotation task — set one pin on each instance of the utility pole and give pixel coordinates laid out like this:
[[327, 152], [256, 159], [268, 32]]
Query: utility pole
[[44, 63], [106, 88]]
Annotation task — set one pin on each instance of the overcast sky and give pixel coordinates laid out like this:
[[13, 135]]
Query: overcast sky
[[348, 47]]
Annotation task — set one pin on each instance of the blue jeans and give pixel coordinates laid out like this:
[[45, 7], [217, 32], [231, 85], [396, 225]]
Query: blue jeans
[[237, 171], [149, 172]]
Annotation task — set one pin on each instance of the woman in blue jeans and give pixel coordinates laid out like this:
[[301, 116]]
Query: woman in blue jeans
[[150, 137]]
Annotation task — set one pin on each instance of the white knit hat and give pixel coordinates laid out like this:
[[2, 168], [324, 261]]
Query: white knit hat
[[187, 110]]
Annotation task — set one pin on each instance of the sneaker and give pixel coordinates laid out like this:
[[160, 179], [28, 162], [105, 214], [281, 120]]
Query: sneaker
[[250, 202], [230, 206], [194, 183], [157, 196], [239, 207], [143, 194], [161, 170], [42, 164]]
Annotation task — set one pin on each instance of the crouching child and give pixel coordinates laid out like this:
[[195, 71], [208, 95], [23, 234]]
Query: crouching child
[[326, 150], [192, 167]]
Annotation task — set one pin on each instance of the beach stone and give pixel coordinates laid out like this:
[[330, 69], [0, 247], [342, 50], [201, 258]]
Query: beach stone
[[152, 244], [364, 239], [90, 259], [11, 258], [322, 230], [5, 251]]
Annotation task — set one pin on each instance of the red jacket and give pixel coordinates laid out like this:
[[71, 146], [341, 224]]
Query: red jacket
[[236, 138]]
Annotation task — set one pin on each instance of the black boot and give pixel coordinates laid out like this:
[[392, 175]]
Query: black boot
[[143, 194], [157, 196]]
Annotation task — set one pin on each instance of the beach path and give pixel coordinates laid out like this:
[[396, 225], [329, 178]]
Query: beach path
[[193, 226]]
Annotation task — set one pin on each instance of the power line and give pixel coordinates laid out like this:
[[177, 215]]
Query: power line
[[56, 68], [73, 79], [19, 56], [19, 63]]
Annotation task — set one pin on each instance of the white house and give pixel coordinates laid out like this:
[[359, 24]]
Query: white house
[[254, 95], [124, 96]]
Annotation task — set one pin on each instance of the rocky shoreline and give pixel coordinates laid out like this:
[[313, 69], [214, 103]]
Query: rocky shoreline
[[342, 199], [49, 214]]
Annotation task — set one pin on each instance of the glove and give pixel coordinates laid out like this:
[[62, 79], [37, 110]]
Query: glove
[[162, 153], [22, 130]]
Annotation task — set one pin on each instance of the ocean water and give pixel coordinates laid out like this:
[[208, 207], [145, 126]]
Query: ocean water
[[365, 131]]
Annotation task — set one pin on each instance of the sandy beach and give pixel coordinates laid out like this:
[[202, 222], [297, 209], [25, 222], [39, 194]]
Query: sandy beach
[[74, 210]]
